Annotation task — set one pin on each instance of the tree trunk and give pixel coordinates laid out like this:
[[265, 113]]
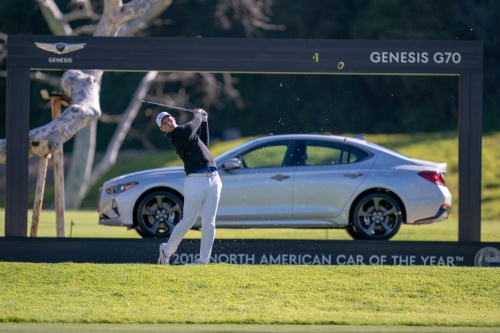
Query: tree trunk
[[81, 162], [116, 17], [109, 158]]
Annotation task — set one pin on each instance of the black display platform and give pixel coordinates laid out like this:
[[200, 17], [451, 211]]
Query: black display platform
[[253, 251]]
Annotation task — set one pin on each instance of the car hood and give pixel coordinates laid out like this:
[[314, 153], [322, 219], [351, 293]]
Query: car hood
[[150, 173]]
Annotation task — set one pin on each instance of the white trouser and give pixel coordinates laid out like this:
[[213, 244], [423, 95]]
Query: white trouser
[[201, 195]]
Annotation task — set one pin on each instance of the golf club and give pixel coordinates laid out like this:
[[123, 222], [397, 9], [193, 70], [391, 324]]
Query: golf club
[[166, 106]]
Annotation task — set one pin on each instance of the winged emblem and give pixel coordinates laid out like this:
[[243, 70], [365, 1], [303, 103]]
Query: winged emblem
[[60, 48]]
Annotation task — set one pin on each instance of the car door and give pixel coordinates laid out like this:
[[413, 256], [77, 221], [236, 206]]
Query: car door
[[261, 189], [326, 177]]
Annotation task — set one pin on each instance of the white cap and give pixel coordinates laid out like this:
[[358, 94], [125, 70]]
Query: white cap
[[160, 116]]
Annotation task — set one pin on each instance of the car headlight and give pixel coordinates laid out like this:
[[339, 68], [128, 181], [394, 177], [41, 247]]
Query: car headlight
[[120, 188]]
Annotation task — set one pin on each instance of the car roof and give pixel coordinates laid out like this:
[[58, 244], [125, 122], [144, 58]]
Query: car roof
[[357, 140], [270, 138]]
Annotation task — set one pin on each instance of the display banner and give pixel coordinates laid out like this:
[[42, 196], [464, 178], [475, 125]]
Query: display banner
[[462, 59], [254, 252]]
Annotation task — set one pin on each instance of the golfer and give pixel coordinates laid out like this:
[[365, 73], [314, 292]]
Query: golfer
[[202, 186]]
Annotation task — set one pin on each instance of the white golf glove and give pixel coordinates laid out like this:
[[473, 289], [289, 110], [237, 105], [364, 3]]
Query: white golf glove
[[201, 114]]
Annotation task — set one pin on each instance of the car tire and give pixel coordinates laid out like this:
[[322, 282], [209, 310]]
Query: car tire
[[377, 216], [353, 233], [157, 214]]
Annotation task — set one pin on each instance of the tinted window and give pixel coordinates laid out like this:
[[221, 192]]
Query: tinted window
[[268, 156], [327, 153]]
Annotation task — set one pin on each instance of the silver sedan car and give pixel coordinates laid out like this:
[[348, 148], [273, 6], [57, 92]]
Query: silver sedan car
[[291, 181]]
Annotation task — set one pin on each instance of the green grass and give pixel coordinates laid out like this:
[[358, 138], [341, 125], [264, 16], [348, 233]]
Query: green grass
[[85, 226], [71, 297], [233, 328], [247, 294]]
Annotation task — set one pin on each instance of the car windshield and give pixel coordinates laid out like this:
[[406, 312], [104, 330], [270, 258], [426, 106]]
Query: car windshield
[[219, 158], [223, 156]]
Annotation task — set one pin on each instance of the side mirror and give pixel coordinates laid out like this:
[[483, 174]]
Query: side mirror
[[232, 163]]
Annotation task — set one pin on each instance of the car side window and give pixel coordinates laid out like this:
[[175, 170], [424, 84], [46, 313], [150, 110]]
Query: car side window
[[329, 154], [317, 155], [265, 157]]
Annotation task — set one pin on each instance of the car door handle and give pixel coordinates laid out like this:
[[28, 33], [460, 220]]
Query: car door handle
[[279, 177], [353, 175]]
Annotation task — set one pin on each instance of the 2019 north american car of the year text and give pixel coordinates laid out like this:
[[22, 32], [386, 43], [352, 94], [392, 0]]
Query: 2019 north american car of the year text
[[291, 181]]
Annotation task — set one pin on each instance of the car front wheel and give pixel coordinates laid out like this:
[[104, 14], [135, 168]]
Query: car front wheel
[[377, 216], [157, 214], [353, 233]]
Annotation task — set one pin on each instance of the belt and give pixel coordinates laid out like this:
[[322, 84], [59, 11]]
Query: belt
[[203, 174], [206, 169]]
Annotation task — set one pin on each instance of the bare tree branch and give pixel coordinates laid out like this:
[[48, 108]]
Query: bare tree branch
[[139, 136], [118, 15], [54, 18], [88, 29], [129, 19], [85, 108], [125, 125], [52, 80], [231, 91], [254, 15], [110, 118], [83, 11], [134, 26]]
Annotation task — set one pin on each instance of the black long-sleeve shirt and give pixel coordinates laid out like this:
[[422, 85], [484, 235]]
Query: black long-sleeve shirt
[[191, 147]]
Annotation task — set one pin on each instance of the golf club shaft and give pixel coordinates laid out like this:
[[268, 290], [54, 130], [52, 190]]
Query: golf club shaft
[[166, 106]]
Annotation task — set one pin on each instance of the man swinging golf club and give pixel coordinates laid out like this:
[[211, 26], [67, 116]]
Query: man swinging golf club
[[202, 186]]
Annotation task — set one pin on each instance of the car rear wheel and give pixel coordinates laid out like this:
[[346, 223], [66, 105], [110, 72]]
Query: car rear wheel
[[157, 214], [377, 216]]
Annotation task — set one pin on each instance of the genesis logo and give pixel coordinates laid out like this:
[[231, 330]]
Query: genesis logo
[[487, 256], [60, 48]]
